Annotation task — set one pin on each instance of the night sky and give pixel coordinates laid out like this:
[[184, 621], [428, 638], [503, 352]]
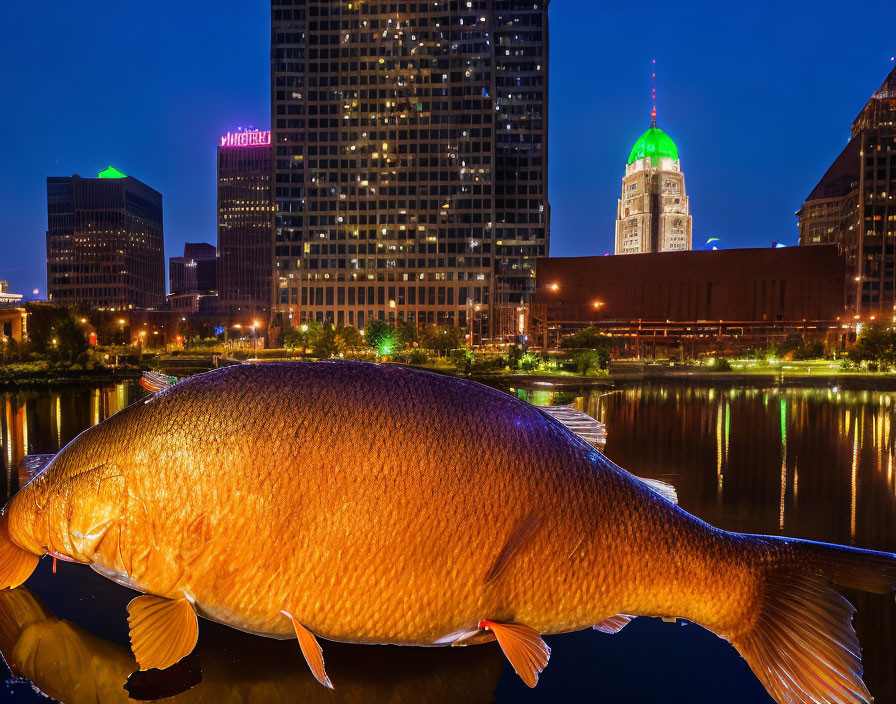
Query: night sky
[[758, 96]]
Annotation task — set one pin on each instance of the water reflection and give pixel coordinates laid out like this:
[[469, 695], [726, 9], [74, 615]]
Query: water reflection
[[70, 664], [44, 422], [809, 463]]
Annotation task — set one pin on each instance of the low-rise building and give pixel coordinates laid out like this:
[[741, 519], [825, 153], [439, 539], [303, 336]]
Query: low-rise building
[[749, 295]]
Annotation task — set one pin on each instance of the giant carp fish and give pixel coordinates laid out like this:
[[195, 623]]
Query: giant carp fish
[[381, 504]]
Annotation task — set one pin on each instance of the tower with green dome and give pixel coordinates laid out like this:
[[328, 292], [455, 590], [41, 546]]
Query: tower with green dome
[[653, 213]]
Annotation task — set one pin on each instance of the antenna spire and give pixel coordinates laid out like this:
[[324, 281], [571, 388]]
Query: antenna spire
[[653, 94]]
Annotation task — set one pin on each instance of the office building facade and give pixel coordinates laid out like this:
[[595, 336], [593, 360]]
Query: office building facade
[[245, 223], [410, 159], [105, 242], [853, 207], [196, 271], [193, 279]]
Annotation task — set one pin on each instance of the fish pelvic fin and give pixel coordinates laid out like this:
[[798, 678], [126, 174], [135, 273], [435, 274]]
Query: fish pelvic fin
[[614, 624], [311, 649], [523, 647], [16, 564], [802, 644], [163, 631]]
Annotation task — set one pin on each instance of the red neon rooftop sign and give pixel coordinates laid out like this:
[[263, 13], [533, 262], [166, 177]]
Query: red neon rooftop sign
[[246, 139]]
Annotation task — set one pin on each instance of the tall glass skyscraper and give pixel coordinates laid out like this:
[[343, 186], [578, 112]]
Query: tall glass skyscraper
[[410, 147]]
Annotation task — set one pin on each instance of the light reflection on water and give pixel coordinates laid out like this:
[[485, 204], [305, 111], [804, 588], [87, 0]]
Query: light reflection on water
[[810, 463]]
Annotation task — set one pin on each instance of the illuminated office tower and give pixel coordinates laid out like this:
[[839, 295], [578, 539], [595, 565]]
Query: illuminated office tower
[[410, 160], [853, 206], [245, 223], [104, 242], [653, 213]]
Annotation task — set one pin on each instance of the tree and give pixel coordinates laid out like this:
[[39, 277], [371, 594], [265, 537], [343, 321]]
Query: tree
[[875, 345], [589, 338], [442, 338], [406, 333], [349, 338], [326, 345], [56, 331], [586, 360], [303, 336], [380, 336]]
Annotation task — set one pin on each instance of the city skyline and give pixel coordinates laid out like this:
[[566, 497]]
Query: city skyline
[[737, 114]]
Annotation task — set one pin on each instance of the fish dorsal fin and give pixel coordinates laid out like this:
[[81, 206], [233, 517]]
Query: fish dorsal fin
[[577, 422], [16, 564], [614, 624], [155, 382], [311, 649], [667, 491], [163, 631], [524, 648], [35, 464], [517, 540]]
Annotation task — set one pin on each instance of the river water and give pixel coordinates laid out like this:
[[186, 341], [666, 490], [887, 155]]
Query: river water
[[808, 463]]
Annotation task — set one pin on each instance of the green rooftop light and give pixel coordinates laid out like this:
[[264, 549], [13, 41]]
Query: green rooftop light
[[111, 172], [654, 143]]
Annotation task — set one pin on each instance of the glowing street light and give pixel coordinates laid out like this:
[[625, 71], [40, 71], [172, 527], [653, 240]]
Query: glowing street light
[[598, 304], [555, 287], [304, 328]]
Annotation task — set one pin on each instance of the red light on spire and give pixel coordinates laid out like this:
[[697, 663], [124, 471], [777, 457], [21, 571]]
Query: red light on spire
[[653, 95]]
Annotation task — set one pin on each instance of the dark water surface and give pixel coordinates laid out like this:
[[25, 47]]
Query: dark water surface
[[802, 462]]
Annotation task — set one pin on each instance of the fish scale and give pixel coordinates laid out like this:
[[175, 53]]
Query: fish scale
[[382, 504]]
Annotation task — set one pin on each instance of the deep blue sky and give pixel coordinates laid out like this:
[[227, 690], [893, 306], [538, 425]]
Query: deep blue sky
[[758, 96]]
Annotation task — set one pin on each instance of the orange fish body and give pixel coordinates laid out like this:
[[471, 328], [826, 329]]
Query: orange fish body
[[380, 504]]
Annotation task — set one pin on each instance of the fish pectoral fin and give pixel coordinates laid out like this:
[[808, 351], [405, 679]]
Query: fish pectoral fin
[[523, 647], [614, 624], [163, 631], [35, 464], [311, 649], [516, 542], [16, 564]]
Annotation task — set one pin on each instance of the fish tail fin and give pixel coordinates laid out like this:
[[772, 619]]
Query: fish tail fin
[[16, 564], [801, 643]]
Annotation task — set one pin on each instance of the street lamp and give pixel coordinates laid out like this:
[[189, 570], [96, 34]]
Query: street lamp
[[470, 322], [555, 287]]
